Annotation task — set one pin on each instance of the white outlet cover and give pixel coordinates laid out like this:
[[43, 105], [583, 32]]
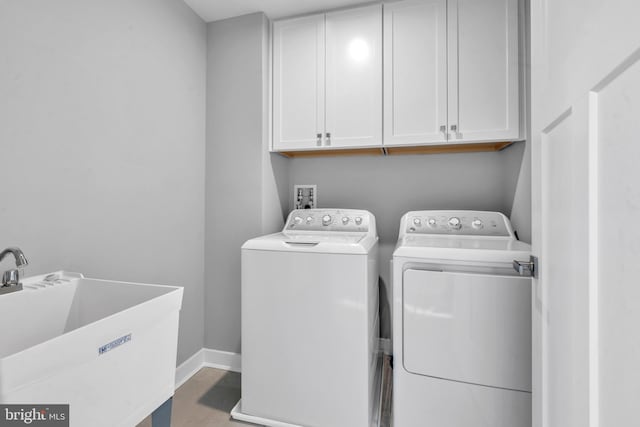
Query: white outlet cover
[[309, 196]]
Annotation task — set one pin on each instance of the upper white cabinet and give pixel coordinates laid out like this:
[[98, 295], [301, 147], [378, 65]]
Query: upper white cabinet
[[298, 82], [484, 81], [327, 80], [354, 77], [451, 76], [451, 71], [415, 69]]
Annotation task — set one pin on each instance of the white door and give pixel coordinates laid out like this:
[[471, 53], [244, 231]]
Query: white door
[[298, 83], [586, 210], [354, 77], [484, 103], [415, 72]]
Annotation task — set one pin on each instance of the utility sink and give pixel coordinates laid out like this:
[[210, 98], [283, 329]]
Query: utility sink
[[106, 348]]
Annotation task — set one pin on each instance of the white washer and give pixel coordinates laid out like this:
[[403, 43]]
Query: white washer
[[309, 322], [461, 322]]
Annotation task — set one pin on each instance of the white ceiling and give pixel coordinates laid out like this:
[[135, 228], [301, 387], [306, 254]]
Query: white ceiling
[[214, 10]]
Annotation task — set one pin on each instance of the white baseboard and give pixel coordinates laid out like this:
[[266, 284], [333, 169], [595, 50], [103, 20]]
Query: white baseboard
[[207, 358], [221, 360], [189, 367]]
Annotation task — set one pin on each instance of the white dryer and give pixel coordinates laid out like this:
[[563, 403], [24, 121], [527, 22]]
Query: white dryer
[[309, 322], [461, 322]]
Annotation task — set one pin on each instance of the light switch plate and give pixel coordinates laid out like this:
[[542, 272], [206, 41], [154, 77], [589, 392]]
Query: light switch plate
[[305, 196]]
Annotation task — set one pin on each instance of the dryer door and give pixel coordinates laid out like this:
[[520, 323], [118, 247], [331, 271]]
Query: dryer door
[[468, 327]]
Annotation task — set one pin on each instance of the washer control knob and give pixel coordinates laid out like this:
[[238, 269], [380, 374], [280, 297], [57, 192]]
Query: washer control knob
[[454, 223], [309, 219], [477, 224], [416, 221], [345, 220], [326, 220], [297, 220], [432, 222], [358, 220]]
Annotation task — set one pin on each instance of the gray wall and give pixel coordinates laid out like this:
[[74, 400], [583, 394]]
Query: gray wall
[[241, 187], [102, 142]]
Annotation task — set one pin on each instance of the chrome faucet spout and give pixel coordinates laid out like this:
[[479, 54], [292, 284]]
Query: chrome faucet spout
[[17, 253], [11, 278]]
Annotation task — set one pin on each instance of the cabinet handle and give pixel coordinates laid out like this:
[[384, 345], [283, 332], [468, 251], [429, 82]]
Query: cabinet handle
[[318, 139], [328, 137], [443, 129], [454, 130]]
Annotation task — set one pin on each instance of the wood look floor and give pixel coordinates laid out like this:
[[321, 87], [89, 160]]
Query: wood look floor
[[205, 400]]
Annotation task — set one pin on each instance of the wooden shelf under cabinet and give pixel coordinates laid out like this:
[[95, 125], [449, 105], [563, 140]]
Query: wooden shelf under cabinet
[[384, 151]]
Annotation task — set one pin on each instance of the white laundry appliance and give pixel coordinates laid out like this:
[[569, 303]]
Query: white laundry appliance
[[461, 322], [310, 322]]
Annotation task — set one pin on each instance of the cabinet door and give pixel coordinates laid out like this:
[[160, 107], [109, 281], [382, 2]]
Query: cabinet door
[[298, 82], [483, 82], [354, 77], [415, 72]]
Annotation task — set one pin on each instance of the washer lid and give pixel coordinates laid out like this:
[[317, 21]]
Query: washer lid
[[461, 248], [342, 231], [323, 242]]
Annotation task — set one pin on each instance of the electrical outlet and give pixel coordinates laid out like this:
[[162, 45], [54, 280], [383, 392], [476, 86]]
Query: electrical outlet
[[305, 196]]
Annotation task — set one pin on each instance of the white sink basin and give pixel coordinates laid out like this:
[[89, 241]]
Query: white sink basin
[[108, 349]]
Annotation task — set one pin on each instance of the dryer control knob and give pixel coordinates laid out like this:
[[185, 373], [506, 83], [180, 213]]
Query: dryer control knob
[[432, 222], [326, 220], [416, 221], [297, 220], [309, 219], [358, 220], [345, 220], [477, 224], [454, 223]]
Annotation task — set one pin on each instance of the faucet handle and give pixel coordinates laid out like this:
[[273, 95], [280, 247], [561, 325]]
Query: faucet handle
[[11, 277]]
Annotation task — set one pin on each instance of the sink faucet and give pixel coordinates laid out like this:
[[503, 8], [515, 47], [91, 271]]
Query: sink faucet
[[11, 277]]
